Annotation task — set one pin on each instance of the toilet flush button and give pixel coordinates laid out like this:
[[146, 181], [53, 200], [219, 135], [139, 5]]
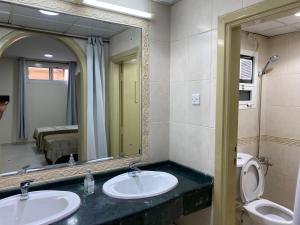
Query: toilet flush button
[[196, 99]]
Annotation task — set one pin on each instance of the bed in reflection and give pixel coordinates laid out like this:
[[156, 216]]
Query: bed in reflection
[[57, 142]]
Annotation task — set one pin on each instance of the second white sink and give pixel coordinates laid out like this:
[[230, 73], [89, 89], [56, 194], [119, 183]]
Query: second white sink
[[41, 208], [145, 184]]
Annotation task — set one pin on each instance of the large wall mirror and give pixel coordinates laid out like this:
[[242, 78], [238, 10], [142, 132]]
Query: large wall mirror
[[70, 89]]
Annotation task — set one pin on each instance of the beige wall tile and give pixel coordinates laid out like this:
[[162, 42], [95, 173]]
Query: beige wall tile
[[193, 51], [159, 61], [198, 114], [198, 143], [282, 175], [159, 82], [178, 110], [199, 16], [160, 25], [280, 114], [248, 118], [199, 56], [202, 217], [179, 21], [178, 143], [291, 161], [160, 101], [248, 123], [250, 149], [283, 121], [193, 69], [221, 7], [275, 152], [179, 60], [159, 139], [214, 45]]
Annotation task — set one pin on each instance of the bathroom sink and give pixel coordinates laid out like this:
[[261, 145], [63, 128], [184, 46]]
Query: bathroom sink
[[145, 184], [42, 207]]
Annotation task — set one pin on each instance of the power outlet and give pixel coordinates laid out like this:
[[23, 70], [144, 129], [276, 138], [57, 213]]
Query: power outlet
[[196, 99]]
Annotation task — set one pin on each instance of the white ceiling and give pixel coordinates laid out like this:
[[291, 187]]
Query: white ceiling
[[35, 47], [63, 23], [275, 27]]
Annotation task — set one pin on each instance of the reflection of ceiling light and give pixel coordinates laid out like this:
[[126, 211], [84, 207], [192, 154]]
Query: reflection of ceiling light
[[131, 61], [297, 14], [119, 9], [48, 55], [48, 13], [38, 65]]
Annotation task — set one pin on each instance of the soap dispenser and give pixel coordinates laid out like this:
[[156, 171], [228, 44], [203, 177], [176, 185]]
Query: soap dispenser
[[89, 183], [71, 160]]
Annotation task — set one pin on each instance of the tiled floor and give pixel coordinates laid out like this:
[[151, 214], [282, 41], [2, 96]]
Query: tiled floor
[[15, 156]]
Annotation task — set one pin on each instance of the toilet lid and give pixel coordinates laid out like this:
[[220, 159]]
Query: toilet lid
[[252, 181]]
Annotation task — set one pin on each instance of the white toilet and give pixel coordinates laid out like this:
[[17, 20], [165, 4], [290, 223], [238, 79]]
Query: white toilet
[[251, 182]]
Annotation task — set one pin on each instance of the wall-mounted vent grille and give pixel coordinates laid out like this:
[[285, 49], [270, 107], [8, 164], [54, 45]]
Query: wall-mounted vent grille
[[246, 69]]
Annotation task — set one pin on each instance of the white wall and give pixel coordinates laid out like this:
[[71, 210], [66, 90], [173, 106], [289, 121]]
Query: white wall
[[46, 104], [280, 119], [193, 70], [9, 86], [35, 47], [124, 41], [248, 118], [159, 76], [46, 101], [159, 82]]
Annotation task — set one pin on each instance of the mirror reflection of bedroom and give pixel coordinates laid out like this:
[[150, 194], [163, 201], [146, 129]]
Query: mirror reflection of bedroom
[[45, 101], [41, 92]]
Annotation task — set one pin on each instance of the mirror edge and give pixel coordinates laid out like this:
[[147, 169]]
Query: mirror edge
[[56, 174]]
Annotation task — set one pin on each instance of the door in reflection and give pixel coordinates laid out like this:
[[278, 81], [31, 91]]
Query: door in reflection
[[130, 108]]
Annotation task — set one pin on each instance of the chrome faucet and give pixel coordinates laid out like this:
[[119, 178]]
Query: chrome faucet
[[23, 170], [266, 161], [134, 170], [24, 186]]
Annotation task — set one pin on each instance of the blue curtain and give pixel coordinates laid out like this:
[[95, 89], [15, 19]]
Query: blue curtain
[[96, 127], [22, 122], [72, 98]]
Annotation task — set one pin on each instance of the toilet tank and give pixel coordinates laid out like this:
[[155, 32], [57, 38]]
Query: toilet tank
[[242, 159]]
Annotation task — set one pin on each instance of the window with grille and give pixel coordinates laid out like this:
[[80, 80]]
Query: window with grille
[[246, 69], [47, 71], [248, 79]]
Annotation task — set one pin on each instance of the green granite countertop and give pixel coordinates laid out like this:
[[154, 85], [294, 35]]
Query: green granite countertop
[[193, 193]]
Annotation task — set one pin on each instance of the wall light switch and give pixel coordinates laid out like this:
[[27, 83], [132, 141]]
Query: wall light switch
[[195, 99]]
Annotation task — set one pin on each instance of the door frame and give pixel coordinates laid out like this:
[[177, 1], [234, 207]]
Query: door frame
[[114, 97], [228, 55]]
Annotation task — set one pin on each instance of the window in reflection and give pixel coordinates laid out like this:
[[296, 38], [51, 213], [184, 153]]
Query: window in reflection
[[37, 73]]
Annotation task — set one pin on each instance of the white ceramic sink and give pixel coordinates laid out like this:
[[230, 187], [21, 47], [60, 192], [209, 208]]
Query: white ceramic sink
[[145, 184], [42, 208]]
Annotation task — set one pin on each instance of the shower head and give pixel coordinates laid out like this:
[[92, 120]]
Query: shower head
[[272, 59]]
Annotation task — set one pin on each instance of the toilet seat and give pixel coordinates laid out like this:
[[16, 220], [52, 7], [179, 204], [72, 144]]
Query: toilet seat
[[261, 211], [266, 212], [252, 181]]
